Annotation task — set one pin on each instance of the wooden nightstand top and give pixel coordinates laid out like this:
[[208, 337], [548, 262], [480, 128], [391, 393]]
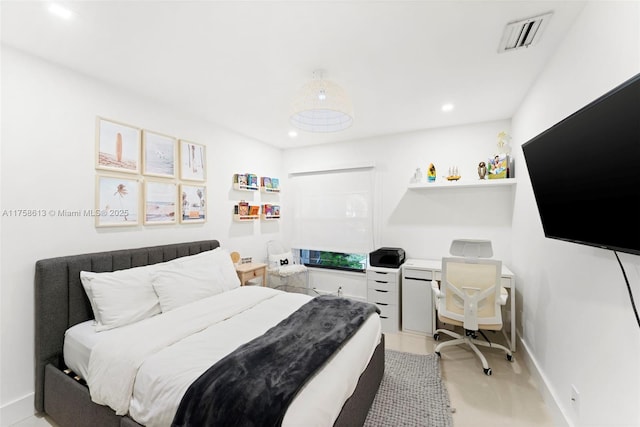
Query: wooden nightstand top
[[251, 270], [250, 266]]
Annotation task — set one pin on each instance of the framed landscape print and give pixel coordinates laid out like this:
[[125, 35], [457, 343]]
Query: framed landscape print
[[117, 201], [160, 202], [193, 206], [159, 154], [192, 161], [117, 146]]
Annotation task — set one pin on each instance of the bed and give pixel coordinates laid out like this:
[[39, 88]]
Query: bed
[[63, 309]]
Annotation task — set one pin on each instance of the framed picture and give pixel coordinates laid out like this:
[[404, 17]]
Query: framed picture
[[193, 165], [160, 202], [117, 146], [117, 201], [159, 154], [193, 207]]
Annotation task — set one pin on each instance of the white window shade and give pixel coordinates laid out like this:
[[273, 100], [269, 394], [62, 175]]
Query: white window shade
[[333, 210]]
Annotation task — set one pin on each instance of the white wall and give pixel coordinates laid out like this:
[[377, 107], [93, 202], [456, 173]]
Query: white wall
[[423, 222], [48, 143], [575, 316]]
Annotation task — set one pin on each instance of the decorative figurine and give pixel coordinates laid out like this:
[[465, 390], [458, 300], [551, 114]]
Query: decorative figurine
[[453, 174], [482, 170], [431, 173], [503, 142], [417, 176]]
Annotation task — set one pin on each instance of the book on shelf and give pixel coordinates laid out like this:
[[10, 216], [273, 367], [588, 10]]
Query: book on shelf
[[275, 210], [243, 208], [267, 210], [240, 179], [497, 166], [254, 210], [266, 182], [252, 180], [275, 183]]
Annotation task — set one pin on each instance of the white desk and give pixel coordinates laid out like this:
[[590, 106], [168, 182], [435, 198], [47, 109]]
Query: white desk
[[416, 290]]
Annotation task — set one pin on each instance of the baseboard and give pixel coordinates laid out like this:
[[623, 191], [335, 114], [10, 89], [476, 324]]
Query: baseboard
[[550, 398], [17, 410]]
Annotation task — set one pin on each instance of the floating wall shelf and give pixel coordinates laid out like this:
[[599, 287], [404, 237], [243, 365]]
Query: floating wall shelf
[[244, 187], [242, 218], [462, 184]]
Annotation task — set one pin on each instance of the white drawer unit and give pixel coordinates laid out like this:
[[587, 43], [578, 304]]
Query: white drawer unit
[[384, 290], [417, 297]]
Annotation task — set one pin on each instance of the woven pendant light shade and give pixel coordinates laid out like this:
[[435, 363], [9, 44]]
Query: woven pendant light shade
[[321, 106]]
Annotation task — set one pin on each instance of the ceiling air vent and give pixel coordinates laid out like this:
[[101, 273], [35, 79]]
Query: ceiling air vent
[[523, 33]]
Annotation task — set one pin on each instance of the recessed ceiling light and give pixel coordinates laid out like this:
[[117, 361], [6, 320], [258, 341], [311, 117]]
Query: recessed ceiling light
[[447, 107], [60, 11], [293, 134]]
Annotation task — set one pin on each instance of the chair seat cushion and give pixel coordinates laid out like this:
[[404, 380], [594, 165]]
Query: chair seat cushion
[[288, 270], [486, 326]]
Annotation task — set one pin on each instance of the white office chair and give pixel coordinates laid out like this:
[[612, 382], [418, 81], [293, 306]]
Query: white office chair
[[285, 270], [470, 296]]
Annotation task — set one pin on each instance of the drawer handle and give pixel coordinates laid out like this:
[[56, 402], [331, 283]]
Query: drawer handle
[[383, 317], [381, 281], [381, 290], [382, 303]]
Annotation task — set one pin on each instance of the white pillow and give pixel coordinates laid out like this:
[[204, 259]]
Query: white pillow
[[120, 297], [185, 282], [281, 260], [221, 258], [128, 296]]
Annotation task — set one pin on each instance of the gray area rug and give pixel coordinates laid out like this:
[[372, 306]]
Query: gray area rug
[[412, 393]]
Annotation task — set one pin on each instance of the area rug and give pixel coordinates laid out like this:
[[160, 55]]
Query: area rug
[[412, 393]]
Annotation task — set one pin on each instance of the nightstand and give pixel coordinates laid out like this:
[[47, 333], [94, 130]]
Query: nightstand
[[251, 270]]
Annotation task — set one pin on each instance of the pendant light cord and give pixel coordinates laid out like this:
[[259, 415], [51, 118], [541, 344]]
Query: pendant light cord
[[633, 304]]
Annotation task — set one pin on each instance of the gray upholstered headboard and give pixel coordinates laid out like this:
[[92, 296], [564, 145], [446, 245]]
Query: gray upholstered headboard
[[60, 300]]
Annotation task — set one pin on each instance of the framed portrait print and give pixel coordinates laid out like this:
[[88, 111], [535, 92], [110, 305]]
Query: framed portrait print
[[159, 154], [160, 202], [193, 207], [192, 161], [117, 201], [117, 146]]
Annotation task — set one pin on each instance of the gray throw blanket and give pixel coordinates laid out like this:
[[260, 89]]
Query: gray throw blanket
[[254, 385]]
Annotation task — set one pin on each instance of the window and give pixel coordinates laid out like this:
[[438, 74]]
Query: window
[[333, 260], [332, 211]]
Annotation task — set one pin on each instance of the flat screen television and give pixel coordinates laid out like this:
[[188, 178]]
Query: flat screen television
[[585, 172]]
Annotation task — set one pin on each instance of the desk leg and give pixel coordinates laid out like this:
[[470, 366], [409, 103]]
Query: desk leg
[[513, 314], [512, 318]]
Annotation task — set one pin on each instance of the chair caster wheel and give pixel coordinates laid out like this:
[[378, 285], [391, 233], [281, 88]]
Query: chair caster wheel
[[510, 357], [436, 337], [487, 371]]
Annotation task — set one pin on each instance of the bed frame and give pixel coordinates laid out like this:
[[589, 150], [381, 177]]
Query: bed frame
[[60, 302]]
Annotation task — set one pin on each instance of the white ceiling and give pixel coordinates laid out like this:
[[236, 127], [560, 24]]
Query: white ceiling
[[238, 64]]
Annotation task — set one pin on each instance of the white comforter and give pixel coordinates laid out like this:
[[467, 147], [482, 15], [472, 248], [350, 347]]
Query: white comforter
[[145, 368]]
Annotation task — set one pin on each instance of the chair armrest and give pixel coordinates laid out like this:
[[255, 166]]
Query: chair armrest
[[503, 296], [436, 289]]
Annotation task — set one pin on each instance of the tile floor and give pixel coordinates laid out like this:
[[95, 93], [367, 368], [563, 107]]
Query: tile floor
[[507, 398]]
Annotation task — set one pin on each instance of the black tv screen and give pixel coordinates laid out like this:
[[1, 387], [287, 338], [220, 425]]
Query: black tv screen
[[585, 172]]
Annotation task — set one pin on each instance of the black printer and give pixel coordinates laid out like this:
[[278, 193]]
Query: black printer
[[387, 257]]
